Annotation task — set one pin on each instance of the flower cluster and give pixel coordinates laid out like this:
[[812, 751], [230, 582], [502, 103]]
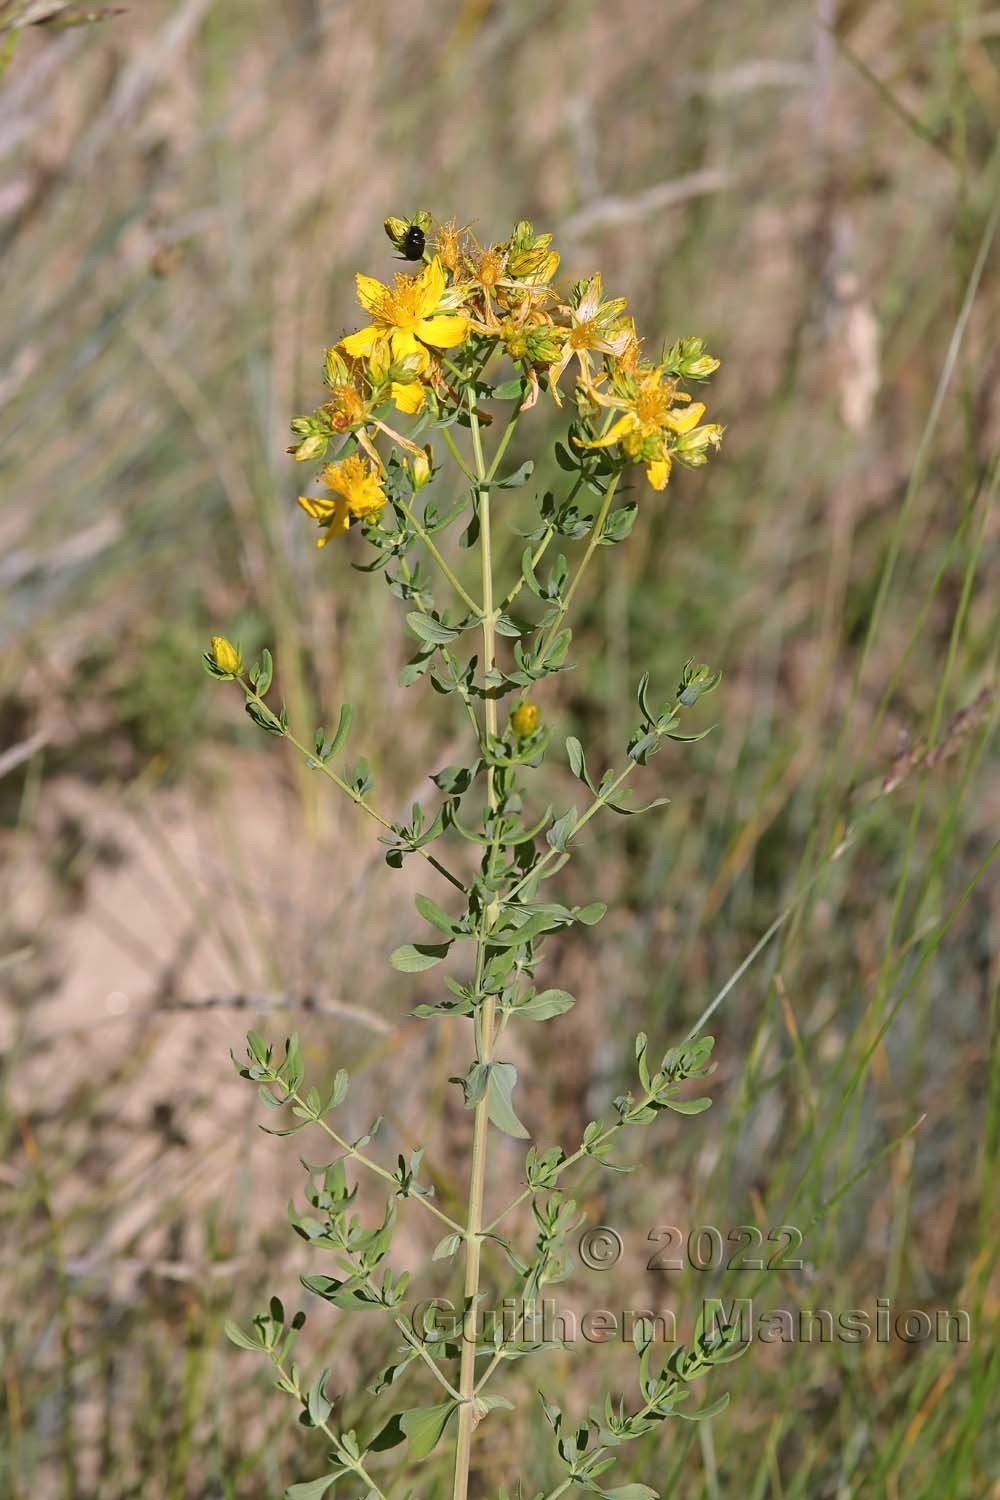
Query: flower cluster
[[432, 331]]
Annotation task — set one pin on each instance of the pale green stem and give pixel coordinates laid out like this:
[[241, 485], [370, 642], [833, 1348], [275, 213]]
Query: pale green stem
[[403, 1327], [355, 1465], [539, 551], [593, 1458], [581, 822], [484, 1029], [456, 455], [345, 787], [508, 433], [442, 563], [592, 545], [373, 1166]]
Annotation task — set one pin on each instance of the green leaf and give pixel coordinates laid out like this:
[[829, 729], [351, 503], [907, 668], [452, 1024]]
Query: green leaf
[[423, 1427], [631, 1492], [508, 390], [503, 1077], [263, 673], [343, 729], [546, 1005], [318, 1407], [338, 1091], [520, 476], [577, 762], [234, 1333], [703, 1412], [413, 958], [591, 914], [446, 1248], [430, 629], [431, 912], [528, 572], [313, 1489], [474, 1083], [619, 525], [687, 1106], [558, 836], [390, 1436], [642, 700], [506, 626], [262, 715]]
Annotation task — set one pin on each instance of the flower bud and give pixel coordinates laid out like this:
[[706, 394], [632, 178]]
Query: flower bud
[[397, 230], [225, 655], [689, 360], [692, 447], [544, 344], [524, 719], [313, 446], [409, 235], [421, 469], [337, 372]]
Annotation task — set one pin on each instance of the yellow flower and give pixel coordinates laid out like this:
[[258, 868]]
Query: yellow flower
[[225, 655], [524, 719], [359, 493], [594, 327], [410, 314], [653, 427], [357, 482]]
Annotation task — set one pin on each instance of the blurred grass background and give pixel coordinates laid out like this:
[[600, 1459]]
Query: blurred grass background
[[186, 190]]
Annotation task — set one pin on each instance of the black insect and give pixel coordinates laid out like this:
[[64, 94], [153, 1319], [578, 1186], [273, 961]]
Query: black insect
[[413, 243]]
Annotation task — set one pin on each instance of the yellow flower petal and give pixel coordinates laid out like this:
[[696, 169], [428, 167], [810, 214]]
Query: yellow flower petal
[[626, 424], [317, 507], [590, 301], [332, 514], [683, 421], [371, 293], [658, 472], [403, 342], [431, 283], [444, 331], [409, 398], [362, 342]]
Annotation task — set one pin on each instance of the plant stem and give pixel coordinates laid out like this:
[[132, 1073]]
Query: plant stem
[[345, 787], [508, 433], [536, 558], [404, 1328], [584, 818], [578, 1155], [592, 545], [485, 1026], [424, 536], [373, 1166], [456, 455], [355, 1465], [591, 1459]]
